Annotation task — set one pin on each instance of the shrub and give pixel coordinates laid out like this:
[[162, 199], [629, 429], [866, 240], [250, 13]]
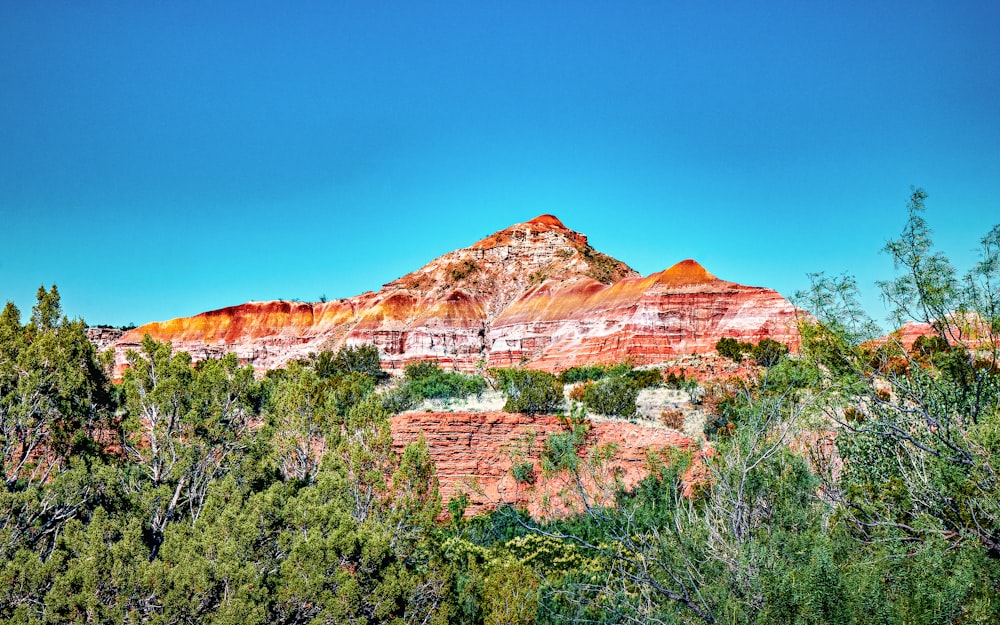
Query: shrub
[[576, 393], [927, 346], [400, 399], [362, 359], [350, 389], [530, 392], [524, 473], [562, 451], [589, 373], [427, 380], [732, 349], [672, 418], [768, 352], [646, 378], [612, 396], [675, 381]]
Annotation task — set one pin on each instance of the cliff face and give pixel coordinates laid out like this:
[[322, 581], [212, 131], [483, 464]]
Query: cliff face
[[474, 454], [535, 292]]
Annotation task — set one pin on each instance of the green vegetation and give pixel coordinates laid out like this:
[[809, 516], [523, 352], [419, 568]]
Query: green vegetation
[[610, 389], [602, 267], [765, 353], [530, 392], [588, 373], [200, 493], [612, 396], [426, 380]]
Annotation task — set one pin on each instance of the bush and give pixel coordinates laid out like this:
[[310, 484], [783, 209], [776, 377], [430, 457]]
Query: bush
[[678, 382], [768, 352], [360, 359], [646, 378], [590, 373], [732, 349], [524, 473], [612, 396], [672, 418], [400, 399], [927, 346], [530, 392], [427, 380]]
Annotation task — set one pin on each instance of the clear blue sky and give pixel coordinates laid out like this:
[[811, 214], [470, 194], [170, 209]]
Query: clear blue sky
[[160, 159]]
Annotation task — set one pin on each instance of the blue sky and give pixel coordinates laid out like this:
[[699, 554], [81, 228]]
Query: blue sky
[[163, 159]]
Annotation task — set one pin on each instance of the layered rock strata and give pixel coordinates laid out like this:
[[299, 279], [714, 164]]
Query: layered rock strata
[[474, 453], [535, 293]]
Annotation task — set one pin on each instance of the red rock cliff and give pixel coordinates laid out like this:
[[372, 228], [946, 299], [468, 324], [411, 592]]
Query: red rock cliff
[[535, 292], [474, 454]]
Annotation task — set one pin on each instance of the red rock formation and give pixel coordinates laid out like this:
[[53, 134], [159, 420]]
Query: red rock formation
[[474, 453], [534, 292]]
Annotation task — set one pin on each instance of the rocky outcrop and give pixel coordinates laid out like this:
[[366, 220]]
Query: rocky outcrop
[[104, 337], [475, 452], [534, 293]]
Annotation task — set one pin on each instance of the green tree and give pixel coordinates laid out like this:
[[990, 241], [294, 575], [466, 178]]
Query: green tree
[[184, 426], [919, 444], [530, 392]]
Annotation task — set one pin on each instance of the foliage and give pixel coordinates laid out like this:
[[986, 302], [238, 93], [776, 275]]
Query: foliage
[[196, 492], [589, 373], [602, 267], [359, 359], [428, 381], [612, 396], [729, 347], [920, 451], [529, 392], [523, 472], [765, 353]]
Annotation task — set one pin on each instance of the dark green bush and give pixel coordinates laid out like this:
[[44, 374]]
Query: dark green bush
[[768, 352], [348, 359], [400, 399], [732, 349], [428, 381], [588, 373], [530, 392], [646, 378], [612, 396]]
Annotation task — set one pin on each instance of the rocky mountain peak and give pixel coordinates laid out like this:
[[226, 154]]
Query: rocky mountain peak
[[535, 293]]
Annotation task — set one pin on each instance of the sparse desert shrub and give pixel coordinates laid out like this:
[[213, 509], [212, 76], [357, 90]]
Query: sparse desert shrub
[[576, 393], [463, 269], [602, 267], [672, 418]]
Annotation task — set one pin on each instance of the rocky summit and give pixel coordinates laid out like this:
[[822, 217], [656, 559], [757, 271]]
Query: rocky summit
[[535, 294]]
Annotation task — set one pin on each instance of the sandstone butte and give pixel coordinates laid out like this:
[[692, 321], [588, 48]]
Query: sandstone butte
[[535, 294]]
